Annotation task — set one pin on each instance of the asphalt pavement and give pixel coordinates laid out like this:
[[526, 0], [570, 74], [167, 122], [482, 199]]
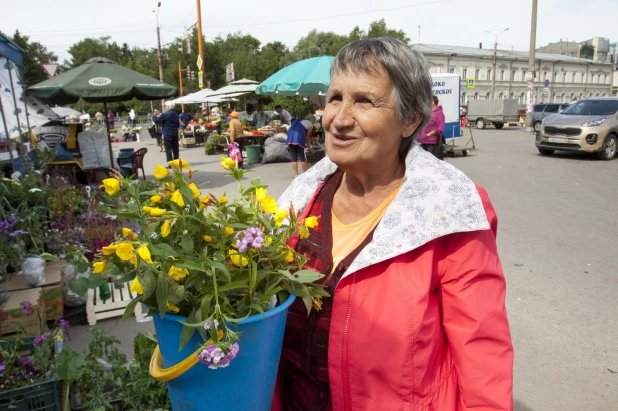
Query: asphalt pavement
[[557, 239]]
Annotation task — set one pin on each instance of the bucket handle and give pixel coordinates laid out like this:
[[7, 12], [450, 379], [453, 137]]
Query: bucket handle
[[166, 374]]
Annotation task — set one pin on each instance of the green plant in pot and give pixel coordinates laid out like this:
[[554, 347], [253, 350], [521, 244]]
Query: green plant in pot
[[210, 147]]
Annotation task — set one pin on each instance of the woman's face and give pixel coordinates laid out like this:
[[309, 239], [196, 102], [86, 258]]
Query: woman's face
[[361, 122]]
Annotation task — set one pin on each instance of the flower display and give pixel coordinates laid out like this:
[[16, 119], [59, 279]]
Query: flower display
[[111, 185], [211, 259], [160, 172]]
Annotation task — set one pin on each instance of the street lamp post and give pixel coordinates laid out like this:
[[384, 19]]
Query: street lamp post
[[493, 78], [160, 55]]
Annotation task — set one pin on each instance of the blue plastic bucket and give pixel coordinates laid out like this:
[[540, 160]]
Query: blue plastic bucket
[[248, 383]]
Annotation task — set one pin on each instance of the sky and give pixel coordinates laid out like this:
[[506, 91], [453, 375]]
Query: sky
[[59, 24]]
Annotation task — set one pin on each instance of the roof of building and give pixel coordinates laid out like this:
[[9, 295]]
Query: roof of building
[[442, 50]]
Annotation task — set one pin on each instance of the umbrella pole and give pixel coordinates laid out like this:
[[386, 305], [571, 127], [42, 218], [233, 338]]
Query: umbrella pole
[[109, 141], [8, 136]]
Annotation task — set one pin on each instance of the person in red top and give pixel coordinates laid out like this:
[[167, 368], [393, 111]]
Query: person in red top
[[416, 319]]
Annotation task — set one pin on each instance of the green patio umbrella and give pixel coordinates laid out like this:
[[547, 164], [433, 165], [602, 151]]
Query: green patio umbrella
[[100, 80], [305, 78]]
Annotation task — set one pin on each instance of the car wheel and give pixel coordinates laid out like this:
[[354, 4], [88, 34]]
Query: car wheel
[[499, 125], [546, 152], [480, 124], [537, 126], [465, 153], [609, 148]]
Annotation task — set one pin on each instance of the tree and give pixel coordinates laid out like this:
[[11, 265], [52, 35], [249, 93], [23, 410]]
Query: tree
[[378, 28], [34, 53], [271, 59], [316, 44]]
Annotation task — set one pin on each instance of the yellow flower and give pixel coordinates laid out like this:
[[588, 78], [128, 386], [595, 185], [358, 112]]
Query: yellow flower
[[136, 286], [109, 249], [270, 205], [177, 198], [170, 186], [125, 251], [236, 258], [147, 209], [227, 163], [289, 255], [98, 267], [260, 194], [229, 231], [177, 274], [127, 232], [157, 212], [213, 214], [178, 164], [160, 172], [207, 238], [172, 308], [194, 190], [280, 216], [311, 222], [156, 199], [144, 253], [205, 202], [166, 228], [111, 185], [268, 239], [303, 232], [223, 200]]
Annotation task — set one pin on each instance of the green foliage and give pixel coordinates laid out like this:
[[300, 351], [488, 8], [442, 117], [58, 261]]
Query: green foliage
[[33, 54]]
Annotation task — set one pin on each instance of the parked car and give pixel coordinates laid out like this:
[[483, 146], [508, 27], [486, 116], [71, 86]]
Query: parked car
[[589, 125], [540, 111]]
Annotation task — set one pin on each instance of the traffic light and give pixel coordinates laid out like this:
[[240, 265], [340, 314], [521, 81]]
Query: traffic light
[[192, 75], [188, 73], [188, 44], [180, 45]]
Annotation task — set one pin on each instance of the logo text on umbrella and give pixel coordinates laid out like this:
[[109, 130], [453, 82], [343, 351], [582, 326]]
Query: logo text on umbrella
[[100, 81]]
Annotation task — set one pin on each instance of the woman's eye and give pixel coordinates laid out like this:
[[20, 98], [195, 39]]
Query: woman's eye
[[334, 98], [364, 101]]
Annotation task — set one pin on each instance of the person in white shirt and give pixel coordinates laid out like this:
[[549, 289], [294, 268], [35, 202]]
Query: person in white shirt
[[85, 117], [285, 115]]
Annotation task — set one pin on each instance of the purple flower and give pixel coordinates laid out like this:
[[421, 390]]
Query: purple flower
[[65, 326], [38, 340], [25, 307], [214, 356], [208, 324], [250, 237], [18, 232], [26, 362]]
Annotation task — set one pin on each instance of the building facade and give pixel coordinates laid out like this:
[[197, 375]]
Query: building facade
[[569, 77]]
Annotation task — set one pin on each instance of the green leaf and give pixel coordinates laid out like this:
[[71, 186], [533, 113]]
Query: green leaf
[[269, 294], [187, 244], [308, 301], [252, 276], [162, 290], [218, 266], [80, 286], [187, 194], [205, 305], [258, 309], [302, 276], [69, 365], [163, 250], [234, 285], [131, 307], [149, 284], [190, 264], [187, 332]]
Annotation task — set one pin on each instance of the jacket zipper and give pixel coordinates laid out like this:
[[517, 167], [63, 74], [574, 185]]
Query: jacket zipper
[[344, 355]]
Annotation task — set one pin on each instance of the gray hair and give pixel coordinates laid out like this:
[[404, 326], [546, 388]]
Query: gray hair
[[169, 104], [406, 69]]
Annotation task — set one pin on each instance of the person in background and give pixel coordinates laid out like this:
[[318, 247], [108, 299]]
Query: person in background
[[431, 137], [298, 135], [227, 117], [110, 119], [416, 318], [170, 124], [85, 117], [127, 133], [185, 118], [132, 117], [235, 147], [260, 118], [284, 115]]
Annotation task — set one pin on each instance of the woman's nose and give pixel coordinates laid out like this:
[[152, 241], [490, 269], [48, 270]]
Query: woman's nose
[[344, 117]]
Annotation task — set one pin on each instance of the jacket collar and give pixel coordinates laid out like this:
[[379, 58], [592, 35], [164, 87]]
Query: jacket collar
[[436, 200]]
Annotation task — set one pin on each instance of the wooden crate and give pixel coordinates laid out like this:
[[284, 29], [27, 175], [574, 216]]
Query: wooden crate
[[97, 309]]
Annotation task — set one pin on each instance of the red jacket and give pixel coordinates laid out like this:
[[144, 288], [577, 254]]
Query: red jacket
[[418, 320]]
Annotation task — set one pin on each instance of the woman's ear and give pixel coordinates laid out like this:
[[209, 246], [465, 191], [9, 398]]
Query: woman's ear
[[411, 127]]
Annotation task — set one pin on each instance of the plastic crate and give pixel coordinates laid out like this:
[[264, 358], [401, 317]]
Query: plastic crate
[[35, 397]]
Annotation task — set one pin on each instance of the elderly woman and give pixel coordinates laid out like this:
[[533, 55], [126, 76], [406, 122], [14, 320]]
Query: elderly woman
[[170, 124], [432, 135], [407, 244]]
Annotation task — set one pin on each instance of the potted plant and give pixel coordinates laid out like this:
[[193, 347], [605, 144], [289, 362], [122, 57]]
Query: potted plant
[[218, 277], [210, 147]]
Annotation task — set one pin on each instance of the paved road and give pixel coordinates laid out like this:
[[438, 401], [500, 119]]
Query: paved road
[[557, 240]]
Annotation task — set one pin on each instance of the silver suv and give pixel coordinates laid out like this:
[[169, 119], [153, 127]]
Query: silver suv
[[589, 125]]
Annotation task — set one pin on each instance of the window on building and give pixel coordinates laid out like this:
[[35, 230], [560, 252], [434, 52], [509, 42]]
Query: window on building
[[451, 70], [555, 77], [465, 73], [513, 74], [476, 96], [488, 74], [477, 74], [501, 75], [523, 75], [544, 75], [487, 96], [463, 98], [592, 78]]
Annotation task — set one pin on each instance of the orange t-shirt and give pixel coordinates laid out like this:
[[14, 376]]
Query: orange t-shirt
[[346, 237]]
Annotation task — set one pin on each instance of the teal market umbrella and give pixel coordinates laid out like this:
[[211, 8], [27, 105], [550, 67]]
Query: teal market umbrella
[[305, 78], [100, 80]]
